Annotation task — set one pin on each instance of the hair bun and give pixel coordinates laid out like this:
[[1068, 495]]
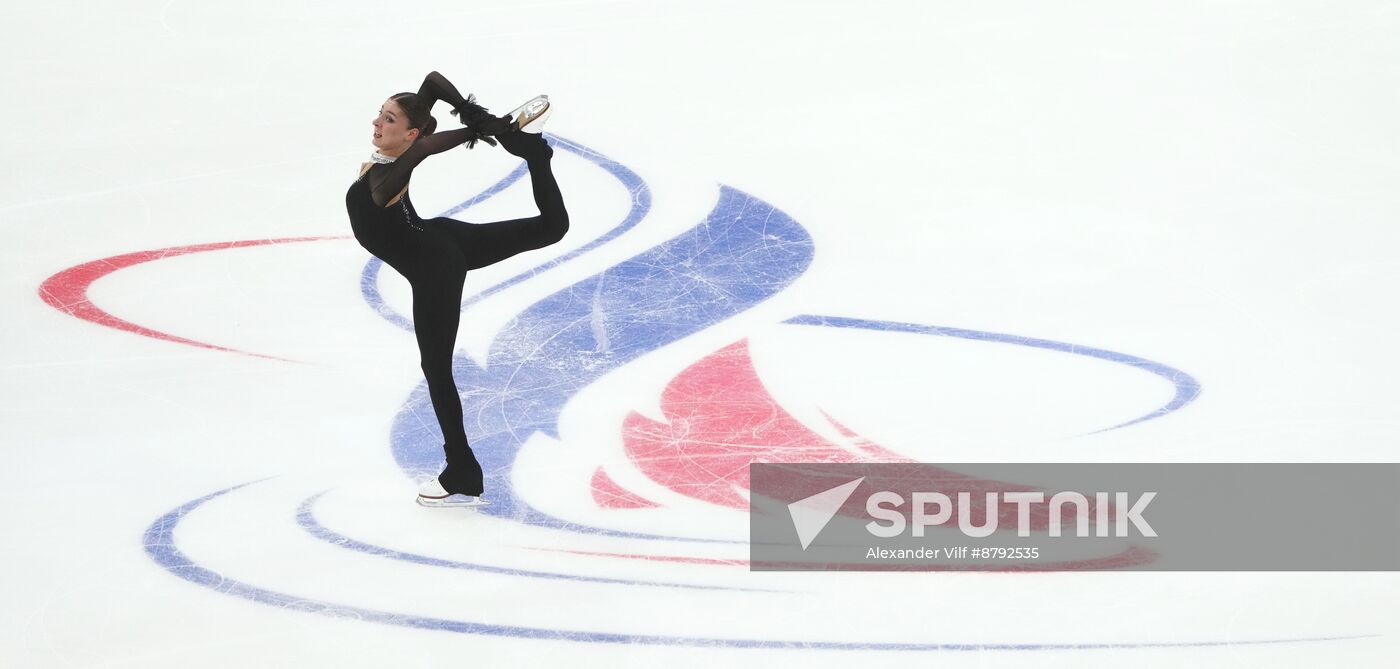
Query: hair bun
[[417, 110]]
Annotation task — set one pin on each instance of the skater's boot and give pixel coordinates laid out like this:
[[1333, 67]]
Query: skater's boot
[[462, 475], [530, 117], [529, 146], [459, 484]]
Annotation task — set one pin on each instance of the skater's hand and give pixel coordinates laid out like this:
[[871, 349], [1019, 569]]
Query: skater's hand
[[468, 110], [470, 114]]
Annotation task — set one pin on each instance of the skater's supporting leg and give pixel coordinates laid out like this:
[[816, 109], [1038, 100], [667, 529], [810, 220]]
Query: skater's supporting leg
[[437, 304]]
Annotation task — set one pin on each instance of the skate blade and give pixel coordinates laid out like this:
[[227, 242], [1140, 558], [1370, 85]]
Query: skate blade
[[462, 501], [530, 117]]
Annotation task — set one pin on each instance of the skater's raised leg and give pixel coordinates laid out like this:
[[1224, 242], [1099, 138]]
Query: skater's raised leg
[[485, 244]]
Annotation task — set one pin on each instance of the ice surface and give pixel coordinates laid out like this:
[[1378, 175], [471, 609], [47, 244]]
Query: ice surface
[[1092, 232]]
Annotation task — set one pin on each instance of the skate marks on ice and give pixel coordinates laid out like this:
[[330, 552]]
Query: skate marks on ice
[[743, 252]]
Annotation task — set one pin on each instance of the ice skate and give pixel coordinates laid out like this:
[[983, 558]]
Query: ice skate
[[431, 493], [530, 117]]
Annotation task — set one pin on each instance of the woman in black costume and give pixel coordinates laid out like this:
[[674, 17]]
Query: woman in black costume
[[435, 254]]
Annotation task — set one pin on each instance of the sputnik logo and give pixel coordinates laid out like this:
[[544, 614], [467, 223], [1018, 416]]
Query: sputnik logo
[[811, 514]]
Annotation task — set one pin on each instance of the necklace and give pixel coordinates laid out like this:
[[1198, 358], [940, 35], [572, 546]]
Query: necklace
[[381, 158]]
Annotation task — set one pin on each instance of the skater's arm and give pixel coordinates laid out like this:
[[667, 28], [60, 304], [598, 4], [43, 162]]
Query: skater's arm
[[436, 87], [386, 184]]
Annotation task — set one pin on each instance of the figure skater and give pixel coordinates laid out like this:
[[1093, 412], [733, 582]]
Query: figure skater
[[435, 254]]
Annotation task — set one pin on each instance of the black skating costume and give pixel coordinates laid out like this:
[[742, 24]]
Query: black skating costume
[[435, 254]]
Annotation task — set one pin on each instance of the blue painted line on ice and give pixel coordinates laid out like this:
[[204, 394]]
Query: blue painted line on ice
[[640, 206], [160, 546], [1187, 388], [506, 182], [306, 519]]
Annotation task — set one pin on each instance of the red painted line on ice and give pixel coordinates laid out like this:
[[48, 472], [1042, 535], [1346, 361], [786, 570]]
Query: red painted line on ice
[[67, 290], [608, 494], [653, 558], [720, 418]]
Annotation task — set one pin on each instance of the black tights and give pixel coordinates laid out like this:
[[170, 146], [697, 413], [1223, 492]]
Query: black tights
[[436, 265]]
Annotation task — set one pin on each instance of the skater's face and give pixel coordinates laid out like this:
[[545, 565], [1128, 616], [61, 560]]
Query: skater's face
[[391, 132]]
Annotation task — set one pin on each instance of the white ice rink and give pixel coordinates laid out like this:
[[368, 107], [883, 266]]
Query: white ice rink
[[212, 408]]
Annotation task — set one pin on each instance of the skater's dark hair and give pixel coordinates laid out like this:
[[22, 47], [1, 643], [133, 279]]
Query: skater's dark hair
[[417, 110]]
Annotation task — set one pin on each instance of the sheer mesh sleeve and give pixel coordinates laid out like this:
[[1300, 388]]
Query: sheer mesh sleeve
[[386, 182]]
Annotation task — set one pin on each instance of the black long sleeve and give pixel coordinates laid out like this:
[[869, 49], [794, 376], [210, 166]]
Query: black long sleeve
[[436, 87], [387, 181]]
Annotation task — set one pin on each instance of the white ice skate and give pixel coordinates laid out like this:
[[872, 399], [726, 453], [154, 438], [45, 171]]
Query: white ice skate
[[431, 493], [530, 117]]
